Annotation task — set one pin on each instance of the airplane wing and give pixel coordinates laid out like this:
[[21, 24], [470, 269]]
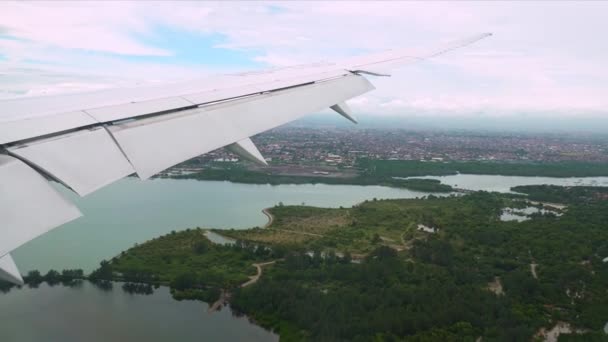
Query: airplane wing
[[87, 141]]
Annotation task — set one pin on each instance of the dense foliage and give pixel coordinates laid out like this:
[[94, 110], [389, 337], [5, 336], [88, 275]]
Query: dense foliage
[[186, 261], [383, 172], [421, 184], [34, 278], [558, 194], [410, 168], [239, 174], [439, 286]]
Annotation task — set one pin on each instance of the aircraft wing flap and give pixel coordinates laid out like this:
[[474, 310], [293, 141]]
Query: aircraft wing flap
[[29, 205], [156, 143], [88, 140], [84, 161]]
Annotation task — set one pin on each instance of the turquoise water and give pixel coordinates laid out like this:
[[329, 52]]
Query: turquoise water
[[131, 211]]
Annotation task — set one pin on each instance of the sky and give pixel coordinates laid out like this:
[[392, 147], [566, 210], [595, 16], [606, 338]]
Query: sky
[[545, 59]]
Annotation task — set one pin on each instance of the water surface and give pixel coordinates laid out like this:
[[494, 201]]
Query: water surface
[[505, 183], [131, 211], [87, 313]]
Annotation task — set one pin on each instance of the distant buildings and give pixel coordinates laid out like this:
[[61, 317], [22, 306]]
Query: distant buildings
[[343, 147]]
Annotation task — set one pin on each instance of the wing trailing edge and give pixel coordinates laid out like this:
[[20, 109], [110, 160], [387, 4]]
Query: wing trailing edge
[[152, 145], [86, 141], [29, 205], [83, 161]]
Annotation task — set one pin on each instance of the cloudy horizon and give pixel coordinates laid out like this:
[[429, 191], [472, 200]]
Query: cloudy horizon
[[546, 59]]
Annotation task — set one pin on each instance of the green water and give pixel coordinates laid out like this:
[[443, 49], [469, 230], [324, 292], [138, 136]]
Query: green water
[[131, 211]]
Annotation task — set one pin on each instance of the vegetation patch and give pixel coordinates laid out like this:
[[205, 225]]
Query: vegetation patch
[[370, 273]]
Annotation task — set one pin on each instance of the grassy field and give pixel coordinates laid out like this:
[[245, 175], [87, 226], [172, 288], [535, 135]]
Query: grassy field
[[360, 229]]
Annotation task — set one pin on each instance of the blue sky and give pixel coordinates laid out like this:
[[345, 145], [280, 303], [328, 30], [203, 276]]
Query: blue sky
[[190, 48], [545, 58]]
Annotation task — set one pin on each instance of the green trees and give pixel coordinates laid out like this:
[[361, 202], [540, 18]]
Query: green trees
[[33, 278], [104, 272], [200, 247], [438, 288], [184, 281], [404, 284]]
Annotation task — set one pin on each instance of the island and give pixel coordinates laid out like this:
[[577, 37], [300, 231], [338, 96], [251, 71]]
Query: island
[[434, 268]]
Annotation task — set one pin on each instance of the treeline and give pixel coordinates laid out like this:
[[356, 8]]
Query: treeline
[[75, 277], [412, 168], [187, 262], [559, 194], [239, 174], [423, 185], [382, 172], [33, 279]]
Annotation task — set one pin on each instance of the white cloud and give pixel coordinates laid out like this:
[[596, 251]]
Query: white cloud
[[544, 56]]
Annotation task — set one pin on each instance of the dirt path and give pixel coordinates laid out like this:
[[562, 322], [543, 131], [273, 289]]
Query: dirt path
[[533, 270], [266, 212], [559, 206], [297, 232], [533, 265], [224, 297], [253, 279]]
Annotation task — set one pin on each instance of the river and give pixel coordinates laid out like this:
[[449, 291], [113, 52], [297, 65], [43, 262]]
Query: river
[[504, 183], [132, 211]]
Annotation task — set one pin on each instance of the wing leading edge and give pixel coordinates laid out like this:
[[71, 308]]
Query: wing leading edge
[[87, 141]]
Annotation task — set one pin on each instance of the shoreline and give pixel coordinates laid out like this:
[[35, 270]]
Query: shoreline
[[266, 211]]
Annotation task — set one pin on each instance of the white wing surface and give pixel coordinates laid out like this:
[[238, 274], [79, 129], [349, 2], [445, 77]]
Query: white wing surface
[[87, 141]]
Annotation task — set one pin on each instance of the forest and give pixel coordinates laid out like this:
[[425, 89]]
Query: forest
[[387, 173], [240, 174], [442, 286], [428, 269], [557, 194], [411, 168]]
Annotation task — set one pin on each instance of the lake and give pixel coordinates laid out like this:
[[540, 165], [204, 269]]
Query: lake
[[87, 313], [132, 211]]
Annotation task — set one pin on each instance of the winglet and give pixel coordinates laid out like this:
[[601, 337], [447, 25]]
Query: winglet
[[458, 44], [380, 64], [9, 271], [247, 150], [342, 109]]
